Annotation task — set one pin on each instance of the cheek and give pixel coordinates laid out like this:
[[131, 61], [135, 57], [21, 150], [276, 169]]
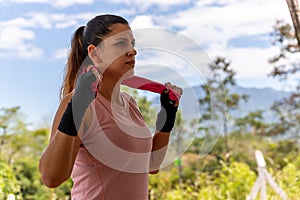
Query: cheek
[[114, 63], [114, 54], [116, 67]]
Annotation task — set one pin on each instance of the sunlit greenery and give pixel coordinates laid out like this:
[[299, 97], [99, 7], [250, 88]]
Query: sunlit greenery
[[219, 175]]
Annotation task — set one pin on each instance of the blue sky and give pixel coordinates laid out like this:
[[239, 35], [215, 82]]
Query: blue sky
[[35, 36]]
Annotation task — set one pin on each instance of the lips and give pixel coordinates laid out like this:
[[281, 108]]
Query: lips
[[131, 62]]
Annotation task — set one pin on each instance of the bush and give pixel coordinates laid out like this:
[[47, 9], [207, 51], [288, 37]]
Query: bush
[[8, 182]]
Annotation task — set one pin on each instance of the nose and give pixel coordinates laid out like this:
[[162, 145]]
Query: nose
[[131, 52]]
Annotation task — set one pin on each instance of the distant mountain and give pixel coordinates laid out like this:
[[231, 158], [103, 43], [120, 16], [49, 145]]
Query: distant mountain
[[259, 98]]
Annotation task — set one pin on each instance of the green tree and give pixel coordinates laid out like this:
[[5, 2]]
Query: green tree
[[10, 123], [252, 122], [180, 141], [20, 153], [223, 77], [283, 36], [287, 109], [8, 182]]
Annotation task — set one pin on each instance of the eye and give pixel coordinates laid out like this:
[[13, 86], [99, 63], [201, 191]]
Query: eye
[[133, 43], [121, 43]]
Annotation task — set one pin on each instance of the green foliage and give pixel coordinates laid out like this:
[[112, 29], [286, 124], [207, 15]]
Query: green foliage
[[234, 180], [287, 109], [289, 180], [8, 182], [147, 111], [161, 182], [251, 122], [20, 152], [218, 99], [283, 37], [222, 175]]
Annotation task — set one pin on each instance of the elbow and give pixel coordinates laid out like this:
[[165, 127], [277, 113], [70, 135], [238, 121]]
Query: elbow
[[51, 179], [153, 169], [154, 172], [47, 177], [52, 182]]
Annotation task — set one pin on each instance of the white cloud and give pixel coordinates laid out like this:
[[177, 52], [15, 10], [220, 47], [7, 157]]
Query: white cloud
[[60, 3], [54, 3], [208, 24], [125, 12], [214, 26], [143, 5], [17, 35], [28, 51], [31, 21], [57, 20], [26, 1], [142, 21], [66, 24], [251, 62], [60, 54], [14, 43], [13, 36]]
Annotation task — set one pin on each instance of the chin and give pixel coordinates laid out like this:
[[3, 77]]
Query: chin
[[128, 74]]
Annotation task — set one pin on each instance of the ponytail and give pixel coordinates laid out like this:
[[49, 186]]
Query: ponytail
[[75, 60]]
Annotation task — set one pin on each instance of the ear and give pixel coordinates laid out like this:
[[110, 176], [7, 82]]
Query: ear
[[94, 54]]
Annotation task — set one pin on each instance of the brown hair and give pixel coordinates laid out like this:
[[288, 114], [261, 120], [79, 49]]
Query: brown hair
[[92, 33]]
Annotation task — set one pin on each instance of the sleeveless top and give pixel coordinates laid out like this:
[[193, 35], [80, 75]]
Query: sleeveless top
[[113, 161]]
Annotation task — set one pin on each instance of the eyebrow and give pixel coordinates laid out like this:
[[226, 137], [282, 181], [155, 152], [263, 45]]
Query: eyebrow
[[125, 39], [121, 38]]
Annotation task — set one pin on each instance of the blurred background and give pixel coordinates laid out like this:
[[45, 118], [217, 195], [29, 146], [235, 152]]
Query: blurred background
[[253, 48]]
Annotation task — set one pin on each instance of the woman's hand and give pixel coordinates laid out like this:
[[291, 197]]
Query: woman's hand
[[177, 90], [84, 94], [166, 116]]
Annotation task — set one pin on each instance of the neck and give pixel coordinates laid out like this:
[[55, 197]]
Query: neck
[[111, 91]]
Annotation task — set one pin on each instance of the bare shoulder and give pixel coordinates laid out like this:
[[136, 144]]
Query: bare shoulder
[[66, 99]]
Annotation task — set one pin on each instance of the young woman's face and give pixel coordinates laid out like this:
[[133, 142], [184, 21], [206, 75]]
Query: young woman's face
[[117, 52]]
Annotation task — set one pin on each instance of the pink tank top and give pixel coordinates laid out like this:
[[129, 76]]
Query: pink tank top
[[113, 160]]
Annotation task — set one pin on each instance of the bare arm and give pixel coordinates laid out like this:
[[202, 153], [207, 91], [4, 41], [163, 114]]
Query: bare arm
[[57, 161], [159, 149], [164, 122]]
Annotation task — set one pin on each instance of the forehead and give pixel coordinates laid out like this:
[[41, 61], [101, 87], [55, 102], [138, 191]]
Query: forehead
[[120, 31]]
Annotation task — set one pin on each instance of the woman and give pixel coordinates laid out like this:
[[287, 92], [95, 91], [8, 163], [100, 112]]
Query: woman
[[101, 140]]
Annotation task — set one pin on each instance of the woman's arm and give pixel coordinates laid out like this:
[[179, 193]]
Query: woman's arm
[[164, 124], [159, 149], [57, 161]]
